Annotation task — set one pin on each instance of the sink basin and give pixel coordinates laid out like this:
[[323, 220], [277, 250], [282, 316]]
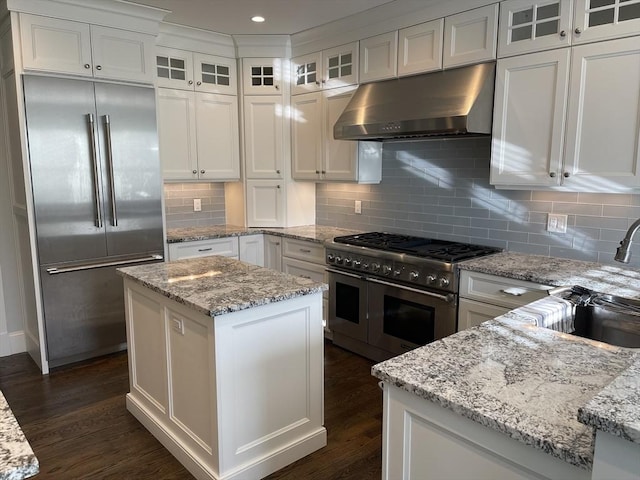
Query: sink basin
[[606, 318]]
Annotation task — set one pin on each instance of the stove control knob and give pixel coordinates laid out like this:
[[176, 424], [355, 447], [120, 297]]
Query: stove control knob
[[431, 279], [443, 282], [397, 273], [375, 267], [365, 266], [347, 261], [338, 259], [386, 270], [357, 263], [413, 275], [330, 257]]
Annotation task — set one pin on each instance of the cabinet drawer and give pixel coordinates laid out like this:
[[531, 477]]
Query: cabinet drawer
[[227, 247], [504, 292], [302, 250], [472, 313]]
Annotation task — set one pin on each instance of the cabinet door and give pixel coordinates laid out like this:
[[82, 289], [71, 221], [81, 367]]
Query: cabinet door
[[177, 134], [225, 247], [420, 48], [306, 129], [265, 205], [340, 66], [174, 68], [307, 73], [527, 26], [601, 20], [603, 126], [218, 143], [262, 76], [215, 74], [379, 57], [122, 55], [340, 161], [263, 143], [53, 45], [529, 118], [252, 249], [471, 36], [471, 313], [273, 252]]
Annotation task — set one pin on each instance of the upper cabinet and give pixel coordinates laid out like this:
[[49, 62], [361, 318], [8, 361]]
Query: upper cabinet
[[379, 57], [195, 71], [263, 76], [470, 37], [75, 48], [420, 48], [527, 26], [334, 67]]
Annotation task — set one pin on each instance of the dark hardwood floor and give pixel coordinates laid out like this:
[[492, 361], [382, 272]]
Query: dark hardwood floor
[[77, 424]]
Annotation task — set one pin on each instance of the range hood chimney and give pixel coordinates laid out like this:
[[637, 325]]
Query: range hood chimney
[[451, 102]]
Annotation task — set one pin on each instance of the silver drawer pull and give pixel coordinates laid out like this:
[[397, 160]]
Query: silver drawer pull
[[381, 385], [514, 291], [305, 250], [205, 249]]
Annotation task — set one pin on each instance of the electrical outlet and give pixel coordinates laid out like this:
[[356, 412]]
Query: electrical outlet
[[557, 223], [358, 207], [197, 205]]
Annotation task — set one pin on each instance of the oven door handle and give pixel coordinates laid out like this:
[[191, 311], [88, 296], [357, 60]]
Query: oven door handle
[[346, 274], [447, 298]]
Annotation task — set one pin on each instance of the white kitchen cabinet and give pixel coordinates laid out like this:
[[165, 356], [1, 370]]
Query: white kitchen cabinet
[[597, 154], [531, 92], [529, 26], [198, 135], [263, 76], [334, 67], [63, 46], [472, 313], [186, 70], [595, 20], [265, 203], [273, 252], [471, 36], [379, 57], [264, 121], [251, 249], [226, 247], [420, 48], [316, 155]]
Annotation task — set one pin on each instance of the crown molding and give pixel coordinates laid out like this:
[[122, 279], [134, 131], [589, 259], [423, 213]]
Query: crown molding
[[269, 46], [196, 40]]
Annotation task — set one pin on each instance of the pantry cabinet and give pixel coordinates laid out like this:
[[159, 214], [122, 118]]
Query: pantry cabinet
[[331, 68], [54, 45], [420, 48], [379, 57], [470, 37], [198, 135]]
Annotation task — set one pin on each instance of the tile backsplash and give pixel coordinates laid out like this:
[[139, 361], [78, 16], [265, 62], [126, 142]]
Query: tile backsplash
[[178, 204], [440, 188]]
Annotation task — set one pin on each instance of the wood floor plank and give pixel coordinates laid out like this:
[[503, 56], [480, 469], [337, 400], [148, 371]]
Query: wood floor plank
[[77, 424]]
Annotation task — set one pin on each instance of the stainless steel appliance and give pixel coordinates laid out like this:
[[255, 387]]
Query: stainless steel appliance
[[391, 293], [95, 173]]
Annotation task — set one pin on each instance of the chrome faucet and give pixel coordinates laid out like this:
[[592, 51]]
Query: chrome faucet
[[622, 253]]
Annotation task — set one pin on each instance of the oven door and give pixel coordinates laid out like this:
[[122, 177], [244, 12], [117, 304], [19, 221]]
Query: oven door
[[348, 304], [403, 318]]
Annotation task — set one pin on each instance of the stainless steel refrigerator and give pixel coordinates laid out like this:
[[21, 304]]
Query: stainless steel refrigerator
[[95, 172]]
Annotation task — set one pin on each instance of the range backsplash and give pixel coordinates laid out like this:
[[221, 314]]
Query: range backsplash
[[440, 188]]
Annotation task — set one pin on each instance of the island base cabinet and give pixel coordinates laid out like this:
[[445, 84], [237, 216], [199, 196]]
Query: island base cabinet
[[237, 396], [615, 457], [422, 440]]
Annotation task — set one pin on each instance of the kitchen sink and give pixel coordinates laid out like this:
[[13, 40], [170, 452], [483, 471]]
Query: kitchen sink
[[602, 317]]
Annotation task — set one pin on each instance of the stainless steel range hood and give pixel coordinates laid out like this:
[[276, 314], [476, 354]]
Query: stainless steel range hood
[[452, 102]]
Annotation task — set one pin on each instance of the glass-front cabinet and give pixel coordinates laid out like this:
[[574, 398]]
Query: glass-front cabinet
[[331, 68]]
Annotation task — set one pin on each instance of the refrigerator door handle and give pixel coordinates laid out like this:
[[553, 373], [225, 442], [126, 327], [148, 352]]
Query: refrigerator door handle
[[89, 266], [94, 159], [112, 186]]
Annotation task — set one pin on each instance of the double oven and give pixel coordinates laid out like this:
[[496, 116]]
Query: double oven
[[391, 293]]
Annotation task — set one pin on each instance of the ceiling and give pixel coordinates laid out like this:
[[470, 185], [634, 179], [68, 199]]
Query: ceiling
[[282, 16]]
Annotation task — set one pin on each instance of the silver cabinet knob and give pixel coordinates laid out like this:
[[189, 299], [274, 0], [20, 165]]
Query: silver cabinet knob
[[566, 174], [98, 67], [190, 82], [86, 65], [563, 34], [198, 83], [552, 174], [277, 87], [324, 81], [317, 172], [278, 186], [278, 172], [324, 172], [202, 171], [317, 83], [578, 31], [194, 172]]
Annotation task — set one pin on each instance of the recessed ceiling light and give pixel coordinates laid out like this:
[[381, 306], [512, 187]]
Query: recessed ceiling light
[[257, 19]]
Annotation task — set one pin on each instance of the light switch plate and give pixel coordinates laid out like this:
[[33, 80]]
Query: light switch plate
[[557, 223], [197, 205], [358, 207]]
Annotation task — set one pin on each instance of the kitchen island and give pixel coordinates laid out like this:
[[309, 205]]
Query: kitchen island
[[516, 400], [17, 460], [226, 364]]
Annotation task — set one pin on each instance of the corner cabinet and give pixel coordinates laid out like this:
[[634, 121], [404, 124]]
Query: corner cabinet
[[316, 155], [63, 46]]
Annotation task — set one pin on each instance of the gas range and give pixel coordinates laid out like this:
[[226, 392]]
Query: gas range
[[420, 262]]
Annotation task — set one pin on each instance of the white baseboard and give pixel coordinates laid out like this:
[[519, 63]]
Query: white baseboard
[[12, 343]]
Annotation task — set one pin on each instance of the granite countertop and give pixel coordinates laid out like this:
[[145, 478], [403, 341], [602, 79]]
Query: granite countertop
[[17, 460], [314, 233], [621, 281], [217, 285], [525, 381]]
